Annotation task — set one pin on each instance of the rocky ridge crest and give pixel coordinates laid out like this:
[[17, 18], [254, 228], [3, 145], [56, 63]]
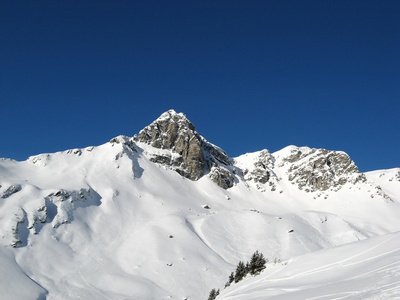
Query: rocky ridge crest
[[320, 169], [184, 150], [260, 171], [191, 155]]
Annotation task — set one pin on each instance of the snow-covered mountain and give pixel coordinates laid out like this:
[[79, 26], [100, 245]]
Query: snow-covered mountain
[[166, 214]]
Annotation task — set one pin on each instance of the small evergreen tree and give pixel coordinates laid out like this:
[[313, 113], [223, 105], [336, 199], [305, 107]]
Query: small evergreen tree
[[230, 280], [241, 271], [257, 263], [254, 267], [213, 294]]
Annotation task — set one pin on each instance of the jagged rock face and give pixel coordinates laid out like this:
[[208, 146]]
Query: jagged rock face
[[214, 154], [222, 177], [175, 132], [262, 168], [10, 190], [191, 155], [320, 169], [258, 167]]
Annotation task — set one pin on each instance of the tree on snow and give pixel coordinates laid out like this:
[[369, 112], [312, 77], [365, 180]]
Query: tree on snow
[[241, 271], [231, 279], [257, 263], [213, 294]]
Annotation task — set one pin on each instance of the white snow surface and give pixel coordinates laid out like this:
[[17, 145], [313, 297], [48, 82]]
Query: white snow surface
[[368, 269], [107, 223]]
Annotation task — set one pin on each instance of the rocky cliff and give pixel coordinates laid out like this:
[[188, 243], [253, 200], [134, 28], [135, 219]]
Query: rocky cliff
[[311, 170], [319, 169], [184, 150], [188, 153]]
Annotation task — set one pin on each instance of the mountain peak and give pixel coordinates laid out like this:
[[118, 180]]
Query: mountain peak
[[171, 116], [175, 132], [191, 155], [167, 130]]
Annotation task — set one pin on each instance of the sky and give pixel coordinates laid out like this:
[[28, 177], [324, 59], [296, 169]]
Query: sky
[[250, 75]]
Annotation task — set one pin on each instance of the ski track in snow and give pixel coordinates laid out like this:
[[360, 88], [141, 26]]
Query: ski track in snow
[[341, 262], [277, 287]]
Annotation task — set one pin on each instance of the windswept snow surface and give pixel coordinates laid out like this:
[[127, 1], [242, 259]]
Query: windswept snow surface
[[368, 269], [107, 223]]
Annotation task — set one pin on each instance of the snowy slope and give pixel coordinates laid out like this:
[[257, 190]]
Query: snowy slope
[[368, 269], [108, 222]]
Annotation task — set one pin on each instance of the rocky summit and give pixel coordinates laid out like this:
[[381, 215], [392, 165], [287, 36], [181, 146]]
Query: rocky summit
[[184, 150], [175, 132], [320, 169], [190, 154]]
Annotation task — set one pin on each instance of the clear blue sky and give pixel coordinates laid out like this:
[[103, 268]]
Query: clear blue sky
[[249, 74]]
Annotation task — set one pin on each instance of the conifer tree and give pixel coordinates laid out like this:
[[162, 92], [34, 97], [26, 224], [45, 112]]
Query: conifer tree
[[241, 272], [257, 263], [230, 280], [213, 294]]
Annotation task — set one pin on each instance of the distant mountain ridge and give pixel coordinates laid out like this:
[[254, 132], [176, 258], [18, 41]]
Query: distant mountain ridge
[[166, 214], [192, 156]]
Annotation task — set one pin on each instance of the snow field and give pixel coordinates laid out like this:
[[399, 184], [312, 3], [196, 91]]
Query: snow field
[[107, 223]]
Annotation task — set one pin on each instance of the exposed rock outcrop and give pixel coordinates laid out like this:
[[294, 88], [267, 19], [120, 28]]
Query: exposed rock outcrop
[[261, 169], [177, 145], [320, 169], [10, 190], [222, 177], [258, 167], [189, 153], [175, 132]]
